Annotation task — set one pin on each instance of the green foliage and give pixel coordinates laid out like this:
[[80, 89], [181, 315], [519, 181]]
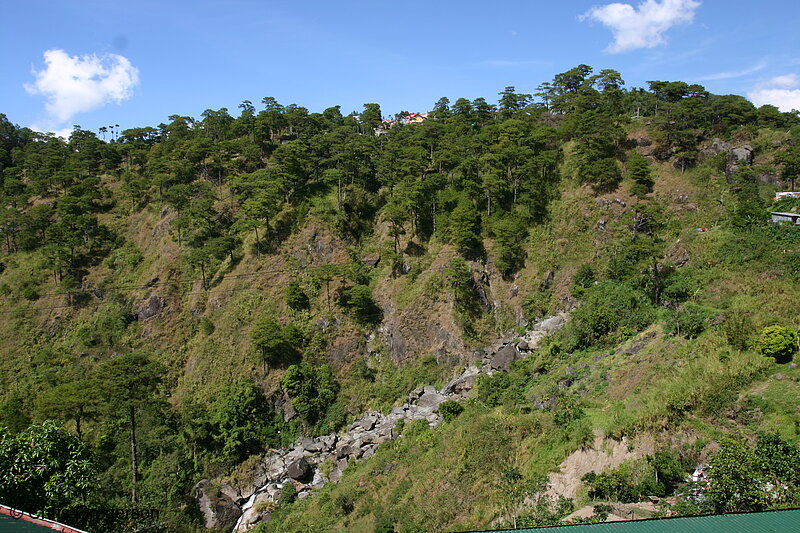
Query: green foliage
[[738, 328], [633, 481], [242, 423], [472, 170], [312, 389], [44, 468], [510, 232], [14, 415], [610, 309], [464, 229], [277, 345], [296, 299], [206, 326], [688, 320], [288, 494], [450, 409], [584, 277], [777, 342], [357, 300], [735, 480], [639, 171]]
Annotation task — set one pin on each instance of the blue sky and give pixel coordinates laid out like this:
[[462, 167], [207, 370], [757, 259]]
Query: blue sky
[[134, 63]]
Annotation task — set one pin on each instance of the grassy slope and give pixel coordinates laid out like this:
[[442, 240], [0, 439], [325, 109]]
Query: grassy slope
[[697, 388]]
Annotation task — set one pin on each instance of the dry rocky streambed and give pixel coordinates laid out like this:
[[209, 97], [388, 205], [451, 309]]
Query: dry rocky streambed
[[244, 503]]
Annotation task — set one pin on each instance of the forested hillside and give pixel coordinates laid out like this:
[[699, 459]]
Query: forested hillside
[[177, 300]]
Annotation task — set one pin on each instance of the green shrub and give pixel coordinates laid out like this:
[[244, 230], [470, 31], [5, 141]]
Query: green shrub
[[738, 328], [610, 307], [585, 276], [688, 320], [313, 390], [345, 503], [777, 342], [288, 494], [206, 326], [277, 345], [450, 409], [296, 299], [30, 293], [357, 300], [415, 428]]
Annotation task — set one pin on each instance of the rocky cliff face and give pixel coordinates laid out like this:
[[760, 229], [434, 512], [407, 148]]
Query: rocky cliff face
[[243, 504]]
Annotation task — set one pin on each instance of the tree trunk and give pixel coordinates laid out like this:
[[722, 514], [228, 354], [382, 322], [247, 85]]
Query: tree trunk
[[78, 422], [134, 461]]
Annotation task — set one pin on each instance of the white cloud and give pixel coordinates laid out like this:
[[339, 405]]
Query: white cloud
[[781, 91], [733, 74], [75, 84], [643, 26]]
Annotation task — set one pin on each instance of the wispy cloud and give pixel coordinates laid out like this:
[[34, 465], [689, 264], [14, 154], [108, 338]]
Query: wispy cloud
[[643, 26], [512, 63], [734, 73], [781, 91], [76, 84]]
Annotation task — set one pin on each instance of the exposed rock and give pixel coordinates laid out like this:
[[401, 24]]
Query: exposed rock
[[743, 154], [359, 442], [311, 445], [219, 510], [254, 513], [553, 323], [680, 258], [717, 320], [514, 290], [371, 262], [284, 405], [324, 325], [502, 359], [601, 224], [548, 280], [430, 398], [152, 307], [298, 469]]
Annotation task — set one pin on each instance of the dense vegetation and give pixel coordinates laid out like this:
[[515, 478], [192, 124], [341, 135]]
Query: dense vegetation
[[169, 292]]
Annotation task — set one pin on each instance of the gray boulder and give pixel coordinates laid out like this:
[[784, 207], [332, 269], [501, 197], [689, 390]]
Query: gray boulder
[[298, 469], [219, 510], [152, 307], [554, 323], [502, 359]]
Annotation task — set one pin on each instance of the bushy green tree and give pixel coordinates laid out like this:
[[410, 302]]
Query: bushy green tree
[[242, 421], [464, 228], [296, 298], [359, 303], [312, 389], [778, 342], [639, 171], [450, 409], [609, 308], [509, 234], [278, 345], [44, 468]]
